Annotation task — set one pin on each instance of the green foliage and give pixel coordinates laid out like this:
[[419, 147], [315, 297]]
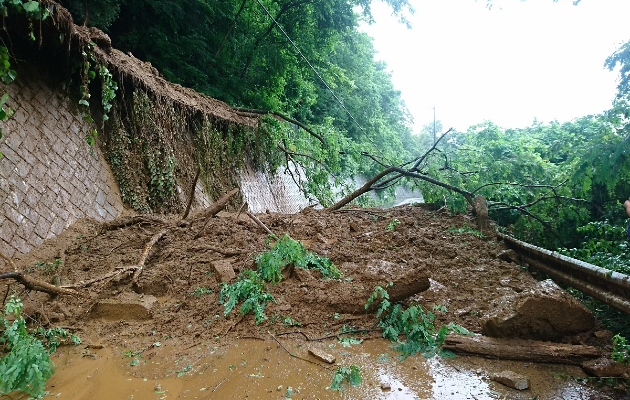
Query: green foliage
[[200, 291], [392, 225], [101, 12], [32, 9], [465, 229], [288, 322], [88, 68], [55, 337], [289, 251], [49, 267], [350, 375], [621, 350], [415, 323], [250, 290], [603, 244], [7, 76], [25, 364]]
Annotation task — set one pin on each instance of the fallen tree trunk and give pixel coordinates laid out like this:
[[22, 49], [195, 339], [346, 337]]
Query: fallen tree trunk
[[351, 299], [363, 189], [39, 286], [521, 350], [215, 208]]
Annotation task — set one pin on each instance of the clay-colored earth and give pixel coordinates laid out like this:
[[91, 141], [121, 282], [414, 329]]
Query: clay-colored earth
[[175, 301]]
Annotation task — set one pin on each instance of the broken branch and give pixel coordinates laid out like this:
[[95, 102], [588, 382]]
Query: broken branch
[[245, 111], [215, 208], [9, 261], [39, 286], [192, 195], [145, 254], [363, 189], [259, 222]]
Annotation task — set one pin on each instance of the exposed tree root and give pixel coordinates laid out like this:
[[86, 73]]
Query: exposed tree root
[[39, 286]]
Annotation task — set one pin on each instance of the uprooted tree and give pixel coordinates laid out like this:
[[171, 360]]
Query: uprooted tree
[[436, 167]]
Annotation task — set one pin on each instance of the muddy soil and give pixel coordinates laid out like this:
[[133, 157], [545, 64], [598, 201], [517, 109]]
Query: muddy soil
[[175, 300]]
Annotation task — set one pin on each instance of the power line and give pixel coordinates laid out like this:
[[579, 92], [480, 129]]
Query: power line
[[318, 75]]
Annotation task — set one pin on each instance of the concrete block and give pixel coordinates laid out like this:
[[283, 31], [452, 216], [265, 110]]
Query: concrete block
[[321, 355], [223, 269], [512, 379], [128, 307], [12, 214], [8, 251], [20, 245]]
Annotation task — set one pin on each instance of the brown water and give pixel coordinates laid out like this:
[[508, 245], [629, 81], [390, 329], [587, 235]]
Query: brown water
[[254, 369]]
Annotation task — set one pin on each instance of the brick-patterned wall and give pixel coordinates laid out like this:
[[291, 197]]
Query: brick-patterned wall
[[277, 194], [49, 176]]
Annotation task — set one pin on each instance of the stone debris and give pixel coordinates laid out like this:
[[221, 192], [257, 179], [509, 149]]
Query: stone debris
[[128, 307], [605, 367], [512, 379], [223, 270], [545, 312], [386, 386], [322, 355]]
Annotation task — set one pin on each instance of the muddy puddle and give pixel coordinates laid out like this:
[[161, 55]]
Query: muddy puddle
[[256, 369]]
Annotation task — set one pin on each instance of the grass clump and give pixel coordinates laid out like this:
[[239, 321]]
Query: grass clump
[[465, 229], [621, 350], [415, 323]]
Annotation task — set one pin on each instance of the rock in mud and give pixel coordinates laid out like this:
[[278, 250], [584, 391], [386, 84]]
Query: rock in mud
[[128, 307], [603, 367], [346, 297], [512, 379], [545, 312], [223, 270], [322, 355]]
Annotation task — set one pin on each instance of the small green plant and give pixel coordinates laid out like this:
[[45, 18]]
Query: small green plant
[[621, 350], [250, 290], [289, 251], [25, 364], [349, 341], [465, 229], [199, 291], [55, 337], [49, 267], [415, 323], [288, 322], [351, 375], [392, 225], [184, 370], [108, 88]]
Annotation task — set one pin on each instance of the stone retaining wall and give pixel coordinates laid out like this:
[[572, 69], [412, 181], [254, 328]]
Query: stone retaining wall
[[49, 175]]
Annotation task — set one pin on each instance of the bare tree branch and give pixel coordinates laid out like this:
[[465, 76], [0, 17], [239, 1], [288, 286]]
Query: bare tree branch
[[245, 111], [363, 189]]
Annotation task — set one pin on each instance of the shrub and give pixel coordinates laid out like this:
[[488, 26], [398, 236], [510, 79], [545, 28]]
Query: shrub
[[415, 323], [25, 364], [289, 251], [250, 290]]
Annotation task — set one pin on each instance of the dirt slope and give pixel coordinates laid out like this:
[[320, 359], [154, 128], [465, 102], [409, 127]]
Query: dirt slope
[[465, 273]]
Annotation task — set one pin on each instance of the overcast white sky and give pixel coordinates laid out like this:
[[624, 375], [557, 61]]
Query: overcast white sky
[[516, 62]]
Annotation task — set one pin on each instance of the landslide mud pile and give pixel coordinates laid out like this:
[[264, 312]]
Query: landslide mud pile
[[432, 258]]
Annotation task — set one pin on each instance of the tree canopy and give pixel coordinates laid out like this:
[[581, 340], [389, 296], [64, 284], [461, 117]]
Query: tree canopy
[[308, 61]]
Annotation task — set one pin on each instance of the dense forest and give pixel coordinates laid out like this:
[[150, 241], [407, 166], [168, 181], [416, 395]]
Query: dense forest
[[560, 185]]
